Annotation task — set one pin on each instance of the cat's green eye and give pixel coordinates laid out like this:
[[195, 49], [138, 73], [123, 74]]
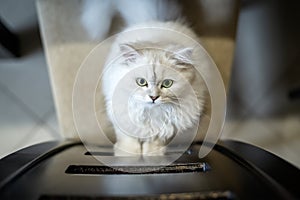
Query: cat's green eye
[[141, 82], [167, 83]]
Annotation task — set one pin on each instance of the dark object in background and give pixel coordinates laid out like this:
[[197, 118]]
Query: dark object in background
[[266, 62], [9, 42], [232, 170], [294, 94]]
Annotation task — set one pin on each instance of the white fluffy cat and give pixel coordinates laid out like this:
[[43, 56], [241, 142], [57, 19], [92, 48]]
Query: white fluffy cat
[[152, 89]]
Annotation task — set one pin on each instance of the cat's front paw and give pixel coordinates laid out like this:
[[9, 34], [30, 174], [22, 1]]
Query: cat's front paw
[[155, 148], [121, 149]]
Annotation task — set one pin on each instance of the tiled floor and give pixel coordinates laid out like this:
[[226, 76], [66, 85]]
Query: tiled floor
[[277, 135], [27, 113]]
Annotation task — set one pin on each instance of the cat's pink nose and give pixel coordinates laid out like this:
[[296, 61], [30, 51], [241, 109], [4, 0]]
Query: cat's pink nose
[[154, 98]]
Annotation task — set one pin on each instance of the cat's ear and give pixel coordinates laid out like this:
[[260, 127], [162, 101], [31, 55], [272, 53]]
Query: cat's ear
[[129, 53], [183, 56]]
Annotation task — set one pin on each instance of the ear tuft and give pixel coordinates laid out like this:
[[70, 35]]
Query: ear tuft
[[129, 52], [184, 56]]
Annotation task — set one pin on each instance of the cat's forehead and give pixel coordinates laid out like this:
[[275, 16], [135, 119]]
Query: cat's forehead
[[156, 72], [157, 57], [156, 65]]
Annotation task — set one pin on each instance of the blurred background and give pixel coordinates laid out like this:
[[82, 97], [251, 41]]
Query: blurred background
[[264, 85], [27, 113]]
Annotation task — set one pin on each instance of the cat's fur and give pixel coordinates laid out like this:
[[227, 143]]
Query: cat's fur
[[153, 53], [153, 49]]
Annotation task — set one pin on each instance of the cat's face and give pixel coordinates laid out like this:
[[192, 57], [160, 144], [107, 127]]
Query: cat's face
[[157, 77]]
